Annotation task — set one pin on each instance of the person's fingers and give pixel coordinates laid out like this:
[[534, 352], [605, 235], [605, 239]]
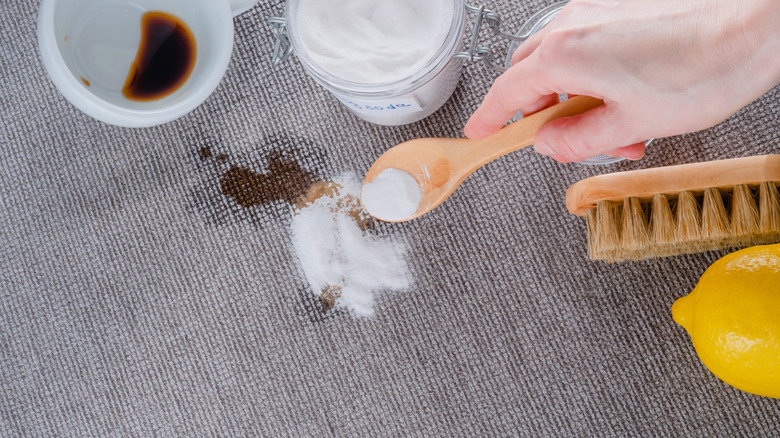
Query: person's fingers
[[514, 89], [544, 102], [528, 46], [597, 131], [631, 152]]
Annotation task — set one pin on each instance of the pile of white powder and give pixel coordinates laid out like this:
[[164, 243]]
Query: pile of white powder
[[340, 260]]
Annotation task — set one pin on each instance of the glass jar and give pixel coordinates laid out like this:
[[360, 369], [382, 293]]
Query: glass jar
[[405, 100]]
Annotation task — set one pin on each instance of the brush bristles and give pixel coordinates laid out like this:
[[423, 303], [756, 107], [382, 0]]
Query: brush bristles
[[591, 221], [769, 209], [662, 225], [688, 219], [635, 234], [744, 213], [715, 218], [684, 223], [607, 235]]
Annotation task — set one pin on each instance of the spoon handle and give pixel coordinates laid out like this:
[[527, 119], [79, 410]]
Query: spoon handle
[[521, 133]]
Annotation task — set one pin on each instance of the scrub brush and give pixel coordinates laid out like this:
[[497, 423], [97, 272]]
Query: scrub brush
[[680, 209]]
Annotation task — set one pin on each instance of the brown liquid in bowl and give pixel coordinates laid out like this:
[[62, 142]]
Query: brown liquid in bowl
[[165, 59]]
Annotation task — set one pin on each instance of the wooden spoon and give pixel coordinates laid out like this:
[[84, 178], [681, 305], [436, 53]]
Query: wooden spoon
[[440, 165]]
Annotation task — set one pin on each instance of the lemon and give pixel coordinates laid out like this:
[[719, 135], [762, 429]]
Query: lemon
[[733, 318]]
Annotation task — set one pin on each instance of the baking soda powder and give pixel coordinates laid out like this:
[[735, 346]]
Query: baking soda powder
[[373, 41], [394, 195], [341, 261]]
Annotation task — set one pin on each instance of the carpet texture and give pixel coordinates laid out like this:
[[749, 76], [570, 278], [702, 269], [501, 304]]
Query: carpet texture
[[139, 297]]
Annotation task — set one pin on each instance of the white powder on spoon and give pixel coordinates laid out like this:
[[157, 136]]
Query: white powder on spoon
[[340, 260], [394, 195]]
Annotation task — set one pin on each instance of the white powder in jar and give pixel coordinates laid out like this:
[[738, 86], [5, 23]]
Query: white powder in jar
[[394, 195], [341, 261], [373, 41]]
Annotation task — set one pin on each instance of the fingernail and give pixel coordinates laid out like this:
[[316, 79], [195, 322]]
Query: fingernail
[[633, 156], [559, 159], [543, 149]]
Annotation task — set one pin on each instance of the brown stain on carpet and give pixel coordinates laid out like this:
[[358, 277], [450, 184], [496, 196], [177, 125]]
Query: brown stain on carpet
[[328, 297], [204, 153], [349, 204], [285, 180]]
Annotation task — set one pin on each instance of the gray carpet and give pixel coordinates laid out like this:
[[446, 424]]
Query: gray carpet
[[138, 299]]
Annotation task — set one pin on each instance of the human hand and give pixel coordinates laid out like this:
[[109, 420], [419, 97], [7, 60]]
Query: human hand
[[663, 68]]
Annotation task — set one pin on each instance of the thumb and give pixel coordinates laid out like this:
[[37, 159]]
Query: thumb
[[600, 130]]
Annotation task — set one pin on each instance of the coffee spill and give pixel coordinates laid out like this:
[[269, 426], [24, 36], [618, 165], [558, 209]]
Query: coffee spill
[[347, 203], [328, 297], [85, 81], [316, 191], [345, 264], [205, 153], [165, 59], [286, 180]]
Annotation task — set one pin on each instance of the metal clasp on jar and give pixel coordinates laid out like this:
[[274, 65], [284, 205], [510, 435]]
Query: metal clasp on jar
[[483, 53], [282, 46]]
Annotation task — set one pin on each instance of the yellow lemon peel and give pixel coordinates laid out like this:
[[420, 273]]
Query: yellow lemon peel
[[733, 318]]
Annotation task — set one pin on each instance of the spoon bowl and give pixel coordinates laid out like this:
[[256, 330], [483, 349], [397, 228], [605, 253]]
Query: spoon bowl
[[440, 165]]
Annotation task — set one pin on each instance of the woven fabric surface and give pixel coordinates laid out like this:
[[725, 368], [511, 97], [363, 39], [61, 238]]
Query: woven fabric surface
[[138, 299]]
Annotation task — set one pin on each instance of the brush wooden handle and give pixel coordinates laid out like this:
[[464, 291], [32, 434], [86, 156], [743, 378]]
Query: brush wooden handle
[[670, 180]]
